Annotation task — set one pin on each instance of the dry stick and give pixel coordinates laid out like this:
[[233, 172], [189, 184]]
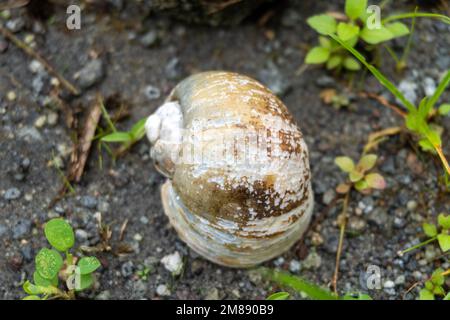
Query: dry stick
[[341, 241], [28, 50], [81, 152], [384, 102]]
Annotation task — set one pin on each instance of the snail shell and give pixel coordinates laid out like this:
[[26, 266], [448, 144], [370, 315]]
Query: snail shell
[[238, 190]]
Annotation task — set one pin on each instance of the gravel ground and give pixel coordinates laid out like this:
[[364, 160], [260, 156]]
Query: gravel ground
[[136, 60]]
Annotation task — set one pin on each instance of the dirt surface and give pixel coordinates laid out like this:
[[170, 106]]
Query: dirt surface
[[34, 137]]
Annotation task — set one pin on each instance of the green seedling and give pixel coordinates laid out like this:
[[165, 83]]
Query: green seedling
[[439, 233], [359, 176], [51, 267], [357, 25], [300, 285], [144, 273], [416, 118], [435, 286]]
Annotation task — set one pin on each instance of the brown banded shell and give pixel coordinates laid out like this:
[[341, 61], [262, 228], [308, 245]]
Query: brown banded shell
[[238, 189]]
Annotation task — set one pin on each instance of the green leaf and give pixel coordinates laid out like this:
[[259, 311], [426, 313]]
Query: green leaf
[[88, 265], [397, 29], [375, 36], [355, 8], [317, 55], [447, 297], [32, 297], [41, 281], [361, 185], [138, 130], [30, 288], [278, 296], [426, 295], [367, 162], [346, 164], [322, 23], [334, 61], [355, 176], [48, 263], [429, 285], [118, 136], [86, 281], [429, 229], [60, 234], [351, 64], [381, 78], [437, 278], [347, 31], [444, 109], [375, 181], [444, 221], [439, 291], [444, 242], [311, 290], [439, 90], [358, 296], [325, 42]]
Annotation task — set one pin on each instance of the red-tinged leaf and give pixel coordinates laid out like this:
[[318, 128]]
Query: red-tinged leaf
[[375, 180]]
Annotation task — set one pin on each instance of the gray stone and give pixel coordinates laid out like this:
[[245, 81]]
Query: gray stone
[[90, 74], [12, 194], [162, 290], [274, 79], [173, 69], [127, 269], [152, 92], [15, 25], [3, 230], [89, 202], [21, 228], [149, 39], [409, 90]]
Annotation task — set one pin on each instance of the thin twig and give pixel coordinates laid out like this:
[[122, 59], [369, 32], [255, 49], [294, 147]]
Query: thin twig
[[341, 241], [384, 102], [28, 50]]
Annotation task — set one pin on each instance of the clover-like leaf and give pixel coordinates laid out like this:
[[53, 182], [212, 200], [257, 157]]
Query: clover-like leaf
[[41, 281], [437, 278], [322, 23], [317, 55], [355, 8], [60, 234], [346, 164], [278, 296], [48, 263], [444, 242], [367, 162], [32, 297], [429, 229], [88, 265], [32, 289], [444, 221], [375, 36], [444, 109], [355, 176], [375, 181], [347, 31], [361, 185], [397, 29], [86, 281], [426, 294], [334, 61], [351, 64]]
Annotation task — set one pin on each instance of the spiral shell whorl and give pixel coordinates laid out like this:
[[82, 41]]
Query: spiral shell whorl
[[242, 170]]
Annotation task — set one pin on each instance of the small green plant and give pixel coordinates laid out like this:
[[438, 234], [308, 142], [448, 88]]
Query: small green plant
[[416, 119], [435, 286], [127, 138], [144, 273], [300, 285], [356, 25], [51, 267], [359, 175], [439, 232]]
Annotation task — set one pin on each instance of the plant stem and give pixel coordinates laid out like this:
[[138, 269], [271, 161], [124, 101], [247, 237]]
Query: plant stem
[[402, 63], [341, 241], [417, 246], [416, 15]]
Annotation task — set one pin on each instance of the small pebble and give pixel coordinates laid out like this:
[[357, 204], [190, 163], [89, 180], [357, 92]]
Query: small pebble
[[152, 92], [12, 194], [162, 290], [11, 95], [90, 74], [294, 266], [173, 263], [149, 39], [389, 284], [127, 269]]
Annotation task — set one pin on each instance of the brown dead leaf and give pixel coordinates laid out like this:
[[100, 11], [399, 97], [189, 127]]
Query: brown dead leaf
[[327, 95]]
